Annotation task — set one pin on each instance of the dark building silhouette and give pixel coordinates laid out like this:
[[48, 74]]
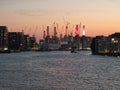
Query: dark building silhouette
[[32, 42], [114, 46], [26, 43], [106, 45], [97, 44], [86, 42], [3, 38], [47, 37], [15, 40]]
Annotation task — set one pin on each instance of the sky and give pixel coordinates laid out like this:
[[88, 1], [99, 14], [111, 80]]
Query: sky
[[100, 17]]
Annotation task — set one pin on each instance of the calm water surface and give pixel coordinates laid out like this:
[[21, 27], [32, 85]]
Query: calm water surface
[[59, 70]]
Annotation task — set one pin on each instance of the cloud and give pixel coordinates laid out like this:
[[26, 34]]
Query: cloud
[[40, 12], [28, 12]]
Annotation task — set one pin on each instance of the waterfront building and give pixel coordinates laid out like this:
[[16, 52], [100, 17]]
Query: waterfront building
[[3, 38], [83, 31], [96, 44], [33, 42], [85, 42], [26, 42], [103, 44], [106, 45], [115, 43], [15, 41]]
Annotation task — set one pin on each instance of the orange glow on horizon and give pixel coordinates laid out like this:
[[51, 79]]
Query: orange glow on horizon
[[100, 17]]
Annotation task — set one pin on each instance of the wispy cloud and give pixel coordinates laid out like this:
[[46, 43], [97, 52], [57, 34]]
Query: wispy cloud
[[28, 12], [41, 12]]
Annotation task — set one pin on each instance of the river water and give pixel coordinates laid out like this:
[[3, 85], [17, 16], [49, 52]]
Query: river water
[[59, 70]]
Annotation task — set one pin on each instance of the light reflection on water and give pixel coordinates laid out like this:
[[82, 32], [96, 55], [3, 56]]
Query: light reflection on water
[[58, 70]]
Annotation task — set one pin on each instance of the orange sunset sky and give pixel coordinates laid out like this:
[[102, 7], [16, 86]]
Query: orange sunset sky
[[101, 17]]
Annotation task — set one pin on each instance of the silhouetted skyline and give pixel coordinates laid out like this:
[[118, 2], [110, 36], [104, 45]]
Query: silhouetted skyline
[[101, 17]]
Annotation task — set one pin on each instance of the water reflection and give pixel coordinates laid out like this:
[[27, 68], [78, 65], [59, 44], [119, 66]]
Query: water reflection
[[58, 71]]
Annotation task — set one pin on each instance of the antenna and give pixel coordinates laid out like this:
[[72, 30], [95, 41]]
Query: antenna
[[55, 28], [79, 28], [44, 35], [67, 26]]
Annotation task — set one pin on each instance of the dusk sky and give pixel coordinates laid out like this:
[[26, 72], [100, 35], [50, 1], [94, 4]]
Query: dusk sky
[[101, 17]]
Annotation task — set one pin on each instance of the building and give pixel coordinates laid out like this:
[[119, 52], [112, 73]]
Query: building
[[100, 45], [33, 44], [85, 42], [83, 31], [114, 40], [26, 43], [3, 38], [15, 41], [106, 45]]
